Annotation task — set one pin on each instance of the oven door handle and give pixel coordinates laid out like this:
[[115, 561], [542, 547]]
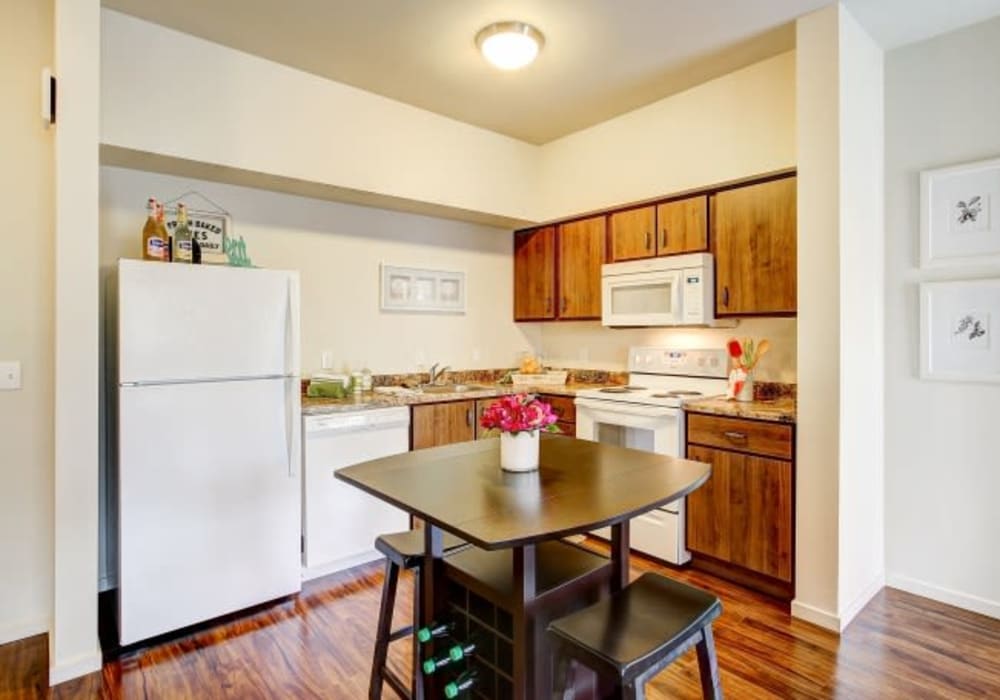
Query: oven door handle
[[627, 409]]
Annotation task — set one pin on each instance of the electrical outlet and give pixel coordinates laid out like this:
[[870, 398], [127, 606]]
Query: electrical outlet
[[476, 355], [326, 360], [10, 376]]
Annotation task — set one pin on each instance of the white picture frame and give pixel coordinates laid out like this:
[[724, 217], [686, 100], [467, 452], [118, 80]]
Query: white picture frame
[[960, 215], [960, 330], [413, 289]]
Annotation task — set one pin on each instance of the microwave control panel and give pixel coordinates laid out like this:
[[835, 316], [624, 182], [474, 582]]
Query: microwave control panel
[[697, 306]]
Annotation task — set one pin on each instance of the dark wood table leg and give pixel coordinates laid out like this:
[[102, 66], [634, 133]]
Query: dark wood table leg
[[619, 556], [431, 592], [607, 687], [524, 593]]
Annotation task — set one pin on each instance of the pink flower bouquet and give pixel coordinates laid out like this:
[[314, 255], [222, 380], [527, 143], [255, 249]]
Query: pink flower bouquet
[[519, 413]]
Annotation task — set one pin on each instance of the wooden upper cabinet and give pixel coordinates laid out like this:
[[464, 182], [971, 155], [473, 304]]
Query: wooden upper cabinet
[[633, 234], [682, 226], [754, 240], [535, 274], [439, 424], [581, 254]]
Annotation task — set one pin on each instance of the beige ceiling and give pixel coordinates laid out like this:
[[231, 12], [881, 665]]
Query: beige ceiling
[[601, 58]]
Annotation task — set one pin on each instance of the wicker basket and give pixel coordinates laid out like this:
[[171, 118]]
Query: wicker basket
[[550, 378]]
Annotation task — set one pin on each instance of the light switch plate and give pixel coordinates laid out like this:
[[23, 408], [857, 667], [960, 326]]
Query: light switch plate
[[10, 376]]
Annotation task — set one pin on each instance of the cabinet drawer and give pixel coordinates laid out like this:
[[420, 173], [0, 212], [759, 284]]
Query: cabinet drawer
[[562, 406], [757, 437]]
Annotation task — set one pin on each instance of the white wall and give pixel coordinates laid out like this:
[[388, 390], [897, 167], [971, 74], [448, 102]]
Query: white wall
[[587, 344], [26, 281], [942, 468], [839, 492], [728, 128], [73, 643], [337, 248], [172, 94], [818, 428], [862, 338]]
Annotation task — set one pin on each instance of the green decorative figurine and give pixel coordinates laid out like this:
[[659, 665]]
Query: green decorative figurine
[[236, 251]]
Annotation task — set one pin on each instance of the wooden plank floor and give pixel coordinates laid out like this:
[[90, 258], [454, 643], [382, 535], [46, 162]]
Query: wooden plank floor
[[318, 645]]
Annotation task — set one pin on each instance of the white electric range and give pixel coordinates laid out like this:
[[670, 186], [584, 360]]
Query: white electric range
[[646, 414]]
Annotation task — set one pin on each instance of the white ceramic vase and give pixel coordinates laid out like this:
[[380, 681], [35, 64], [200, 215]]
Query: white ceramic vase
[[519, 452], [746, 391]]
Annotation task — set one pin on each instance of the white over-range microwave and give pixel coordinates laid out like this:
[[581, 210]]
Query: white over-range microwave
[[676, 290]]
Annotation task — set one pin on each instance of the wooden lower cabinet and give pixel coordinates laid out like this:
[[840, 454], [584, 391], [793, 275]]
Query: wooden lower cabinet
[[740, 524], [565, 408], [436, 424]]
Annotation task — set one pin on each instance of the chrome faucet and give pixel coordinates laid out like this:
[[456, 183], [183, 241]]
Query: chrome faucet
[[436, 373]]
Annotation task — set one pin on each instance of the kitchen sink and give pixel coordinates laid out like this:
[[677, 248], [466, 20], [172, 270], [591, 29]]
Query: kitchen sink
[[452, 388]]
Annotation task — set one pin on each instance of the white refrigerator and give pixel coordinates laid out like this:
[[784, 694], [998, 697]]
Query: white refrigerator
[[209, 492]]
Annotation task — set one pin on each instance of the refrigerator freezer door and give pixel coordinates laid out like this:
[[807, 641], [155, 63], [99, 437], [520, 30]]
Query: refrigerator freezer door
[[197, 322], [210, 501]]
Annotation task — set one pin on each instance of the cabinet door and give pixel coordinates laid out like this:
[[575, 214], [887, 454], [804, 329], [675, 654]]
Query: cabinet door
[[682, 226], [708, 518], [581, 254], [443, 423], [633, 234], [535, 274], [754, 239], [760, 506], [481, 405]]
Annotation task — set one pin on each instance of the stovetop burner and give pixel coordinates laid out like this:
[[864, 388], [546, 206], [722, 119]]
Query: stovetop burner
[[621, 389]]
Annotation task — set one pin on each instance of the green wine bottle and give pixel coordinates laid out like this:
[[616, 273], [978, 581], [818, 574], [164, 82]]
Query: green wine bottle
[[454, 653], [461, 684], [435, 630]]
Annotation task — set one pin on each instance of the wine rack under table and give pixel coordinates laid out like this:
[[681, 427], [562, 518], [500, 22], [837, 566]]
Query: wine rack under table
[[480, 599]]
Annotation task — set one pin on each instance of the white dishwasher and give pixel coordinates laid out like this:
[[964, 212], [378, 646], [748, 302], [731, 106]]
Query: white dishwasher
[[340, 522]]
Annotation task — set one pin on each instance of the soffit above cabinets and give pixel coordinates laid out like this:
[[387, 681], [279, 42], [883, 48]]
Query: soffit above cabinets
[[600, 59]]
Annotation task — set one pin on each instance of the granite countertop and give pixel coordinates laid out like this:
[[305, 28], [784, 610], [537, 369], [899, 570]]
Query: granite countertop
[[779, 410], [380, 399]]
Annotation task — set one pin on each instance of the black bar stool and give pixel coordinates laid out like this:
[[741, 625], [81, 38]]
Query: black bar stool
[[633, 635], [403, 551]]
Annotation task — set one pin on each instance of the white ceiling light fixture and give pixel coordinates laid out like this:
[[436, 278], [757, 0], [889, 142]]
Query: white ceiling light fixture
[[510, 45]]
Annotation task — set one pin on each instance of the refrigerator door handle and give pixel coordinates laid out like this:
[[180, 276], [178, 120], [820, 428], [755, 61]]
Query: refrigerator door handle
[[292, 327], [290, 425]]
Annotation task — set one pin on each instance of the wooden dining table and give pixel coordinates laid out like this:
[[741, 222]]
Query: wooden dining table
[[519, 573]]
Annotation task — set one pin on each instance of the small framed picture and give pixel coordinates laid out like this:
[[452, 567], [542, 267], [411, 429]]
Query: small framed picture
[[959, 217], [958, 330], [419, 290]]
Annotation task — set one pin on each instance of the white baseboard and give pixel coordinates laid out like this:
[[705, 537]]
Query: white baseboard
[[75, 667], [25, 628], [308, 574], [948, 596], [817, 616], [862, 599]]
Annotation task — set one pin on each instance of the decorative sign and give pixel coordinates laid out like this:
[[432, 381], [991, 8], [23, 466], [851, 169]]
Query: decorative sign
[[210, 229], [414, 289]]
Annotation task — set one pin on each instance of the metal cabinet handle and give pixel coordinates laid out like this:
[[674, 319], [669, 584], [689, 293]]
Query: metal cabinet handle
[[649, 240], [565, 304], [468, 417], [548, 304], [735, 436], [665, 237], [725, 295]]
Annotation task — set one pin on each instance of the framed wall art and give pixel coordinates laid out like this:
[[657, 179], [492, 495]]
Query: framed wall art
[[960, 215], [416, 289], [960, 330]]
